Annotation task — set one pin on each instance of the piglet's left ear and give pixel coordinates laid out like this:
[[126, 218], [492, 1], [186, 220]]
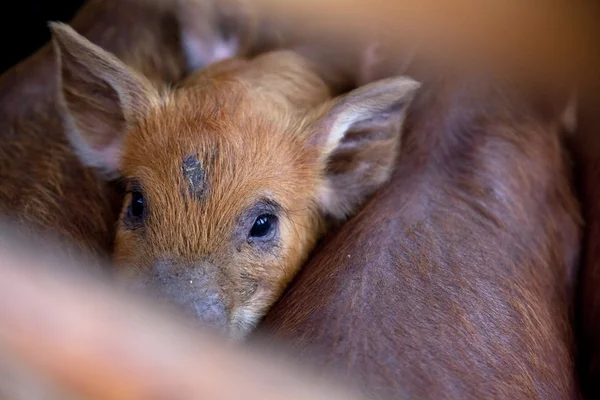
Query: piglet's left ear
[[358, 136]]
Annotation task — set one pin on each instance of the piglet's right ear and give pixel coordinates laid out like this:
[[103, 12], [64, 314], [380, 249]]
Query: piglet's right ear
[[100, 96]]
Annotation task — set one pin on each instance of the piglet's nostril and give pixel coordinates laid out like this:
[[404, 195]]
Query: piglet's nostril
[[167, 270], [193, 289], [204, 306], [210, 311]]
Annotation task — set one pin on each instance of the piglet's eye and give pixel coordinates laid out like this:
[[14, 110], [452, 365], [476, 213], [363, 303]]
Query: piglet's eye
[[136, 208], [264, 226]]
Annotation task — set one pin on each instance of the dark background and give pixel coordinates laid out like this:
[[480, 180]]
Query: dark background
[[23, 26]]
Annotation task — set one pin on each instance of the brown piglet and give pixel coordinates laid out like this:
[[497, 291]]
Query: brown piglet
[[231, 177], [42, 182]]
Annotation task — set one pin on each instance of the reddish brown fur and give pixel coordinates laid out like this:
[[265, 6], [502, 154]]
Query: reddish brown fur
[[265, 139], [456, 279], [42, 182]]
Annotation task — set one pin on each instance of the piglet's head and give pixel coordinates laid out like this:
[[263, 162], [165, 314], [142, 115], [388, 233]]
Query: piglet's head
[[231, 177]]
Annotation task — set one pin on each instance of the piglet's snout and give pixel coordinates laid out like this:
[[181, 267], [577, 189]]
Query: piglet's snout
[[193, 289]]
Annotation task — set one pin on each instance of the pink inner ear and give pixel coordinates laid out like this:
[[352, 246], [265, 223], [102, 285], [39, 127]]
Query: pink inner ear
[[320, 131], [324, 122], [105, 157], [110, 155]]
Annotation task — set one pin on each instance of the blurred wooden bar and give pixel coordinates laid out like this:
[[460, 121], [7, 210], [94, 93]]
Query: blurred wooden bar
[[93, 342], [551, 40]]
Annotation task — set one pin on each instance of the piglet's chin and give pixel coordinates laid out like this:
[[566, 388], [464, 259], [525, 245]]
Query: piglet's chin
[[246, 318]]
